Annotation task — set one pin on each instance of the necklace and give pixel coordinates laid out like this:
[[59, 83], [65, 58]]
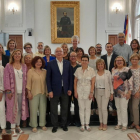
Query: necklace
[[19, 74]]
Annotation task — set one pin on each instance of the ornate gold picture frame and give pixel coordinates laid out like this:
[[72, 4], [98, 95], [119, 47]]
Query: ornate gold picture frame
[[65, 20]]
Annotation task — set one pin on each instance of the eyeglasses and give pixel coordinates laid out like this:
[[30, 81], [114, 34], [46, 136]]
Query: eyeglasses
[[135, 59], [58, 51], [28, 48], [99, 47], [121, 37], [73, 56], [85, 60]]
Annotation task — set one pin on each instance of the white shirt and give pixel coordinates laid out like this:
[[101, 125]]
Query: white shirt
[[60, 66], [100, 81], [108, 60], [84, 81], [18, 78]]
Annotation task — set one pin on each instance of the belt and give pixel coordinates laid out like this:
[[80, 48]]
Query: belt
[[101, 88]]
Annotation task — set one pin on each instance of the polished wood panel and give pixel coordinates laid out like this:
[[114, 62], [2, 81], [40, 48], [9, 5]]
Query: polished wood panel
[[112, 39], [18, 39]]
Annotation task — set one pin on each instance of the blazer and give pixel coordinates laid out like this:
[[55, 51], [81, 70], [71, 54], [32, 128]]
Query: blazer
[[7, 53], [51, 58], [104, 57], [108, 84], [5, 60], [54, 77]]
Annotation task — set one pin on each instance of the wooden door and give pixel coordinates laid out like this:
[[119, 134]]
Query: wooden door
[[112, 39], [18, 39]]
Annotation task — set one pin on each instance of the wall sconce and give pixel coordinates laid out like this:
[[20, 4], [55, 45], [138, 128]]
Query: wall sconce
[[13, 7], [116, 7]]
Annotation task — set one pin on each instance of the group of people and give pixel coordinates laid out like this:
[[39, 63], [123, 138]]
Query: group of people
[[36, 83]]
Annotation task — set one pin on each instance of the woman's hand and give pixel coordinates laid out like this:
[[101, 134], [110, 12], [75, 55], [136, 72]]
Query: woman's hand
[[137, 95], [30, 96], [90, 96], [76, 95], [111, 97], [10, 96], [1, 95]]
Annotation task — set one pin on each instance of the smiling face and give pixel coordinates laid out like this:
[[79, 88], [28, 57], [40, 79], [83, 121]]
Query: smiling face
[[109, 48], [12, 45], [134, 60], [38, 64], [100, 66], [84, 62], [119, 62], [28, 49], [74, 42], [17, 56], [28, 59], [59, 53], [98, 48], [92, 52], [73, 57], [121, 38], [40, 47], [47, 51], [79, 53], [65, 48], [134, 45]]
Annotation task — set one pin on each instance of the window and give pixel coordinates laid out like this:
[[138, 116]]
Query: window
[[137, 21]]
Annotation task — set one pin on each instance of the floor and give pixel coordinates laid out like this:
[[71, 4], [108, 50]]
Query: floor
[[74, 134]]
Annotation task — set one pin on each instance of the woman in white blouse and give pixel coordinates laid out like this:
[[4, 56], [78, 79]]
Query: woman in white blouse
[[103, 91], [2, 102], [83, 91]]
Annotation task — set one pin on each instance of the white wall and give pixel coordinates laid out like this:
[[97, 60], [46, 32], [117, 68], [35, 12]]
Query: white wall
[[97, 21]]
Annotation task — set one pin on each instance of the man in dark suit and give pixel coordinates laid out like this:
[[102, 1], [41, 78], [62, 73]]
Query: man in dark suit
[[109, 62], [109, 57], [59, 84]]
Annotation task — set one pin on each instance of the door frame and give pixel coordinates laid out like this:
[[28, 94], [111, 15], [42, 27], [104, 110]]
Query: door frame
[[112, 32], [17, 33]]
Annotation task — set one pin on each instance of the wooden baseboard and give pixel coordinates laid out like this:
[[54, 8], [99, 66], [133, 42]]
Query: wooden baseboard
[[23, 137], [133, 136]]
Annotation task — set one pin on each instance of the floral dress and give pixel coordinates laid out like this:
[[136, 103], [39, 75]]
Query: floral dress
[[122, 81]]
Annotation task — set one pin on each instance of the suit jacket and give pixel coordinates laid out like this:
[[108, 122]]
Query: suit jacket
[[54, 77], [5, 60], [108, 84], [104, 57]]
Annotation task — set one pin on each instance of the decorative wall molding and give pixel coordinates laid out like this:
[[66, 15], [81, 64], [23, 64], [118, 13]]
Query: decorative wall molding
[[16, 19], [113, 19]]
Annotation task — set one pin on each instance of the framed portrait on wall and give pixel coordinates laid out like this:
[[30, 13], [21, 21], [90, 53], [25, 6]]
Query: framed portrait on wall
[[65, 17]]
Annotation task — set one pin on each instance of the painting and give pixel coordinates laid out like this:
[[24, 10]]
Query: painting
[[64, 21]]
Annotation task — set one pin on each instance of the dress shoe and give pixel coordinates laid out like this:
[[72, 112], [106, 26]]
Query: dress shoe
[[65, 128], [54, 129]]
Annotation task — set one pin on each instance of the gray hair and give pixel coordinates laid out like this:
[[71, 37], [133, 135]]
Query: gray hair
[[57, 48], [75, 37], [98, 44], [121, 33], [40, 42], [26, 54], [73, 52]]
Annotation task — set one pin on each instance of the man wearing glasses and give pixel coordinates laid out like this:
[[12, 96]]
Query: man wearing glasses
[[123, 49], [28, 49], [40, 48], [73, 59], [59, 84], [98, 50]]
